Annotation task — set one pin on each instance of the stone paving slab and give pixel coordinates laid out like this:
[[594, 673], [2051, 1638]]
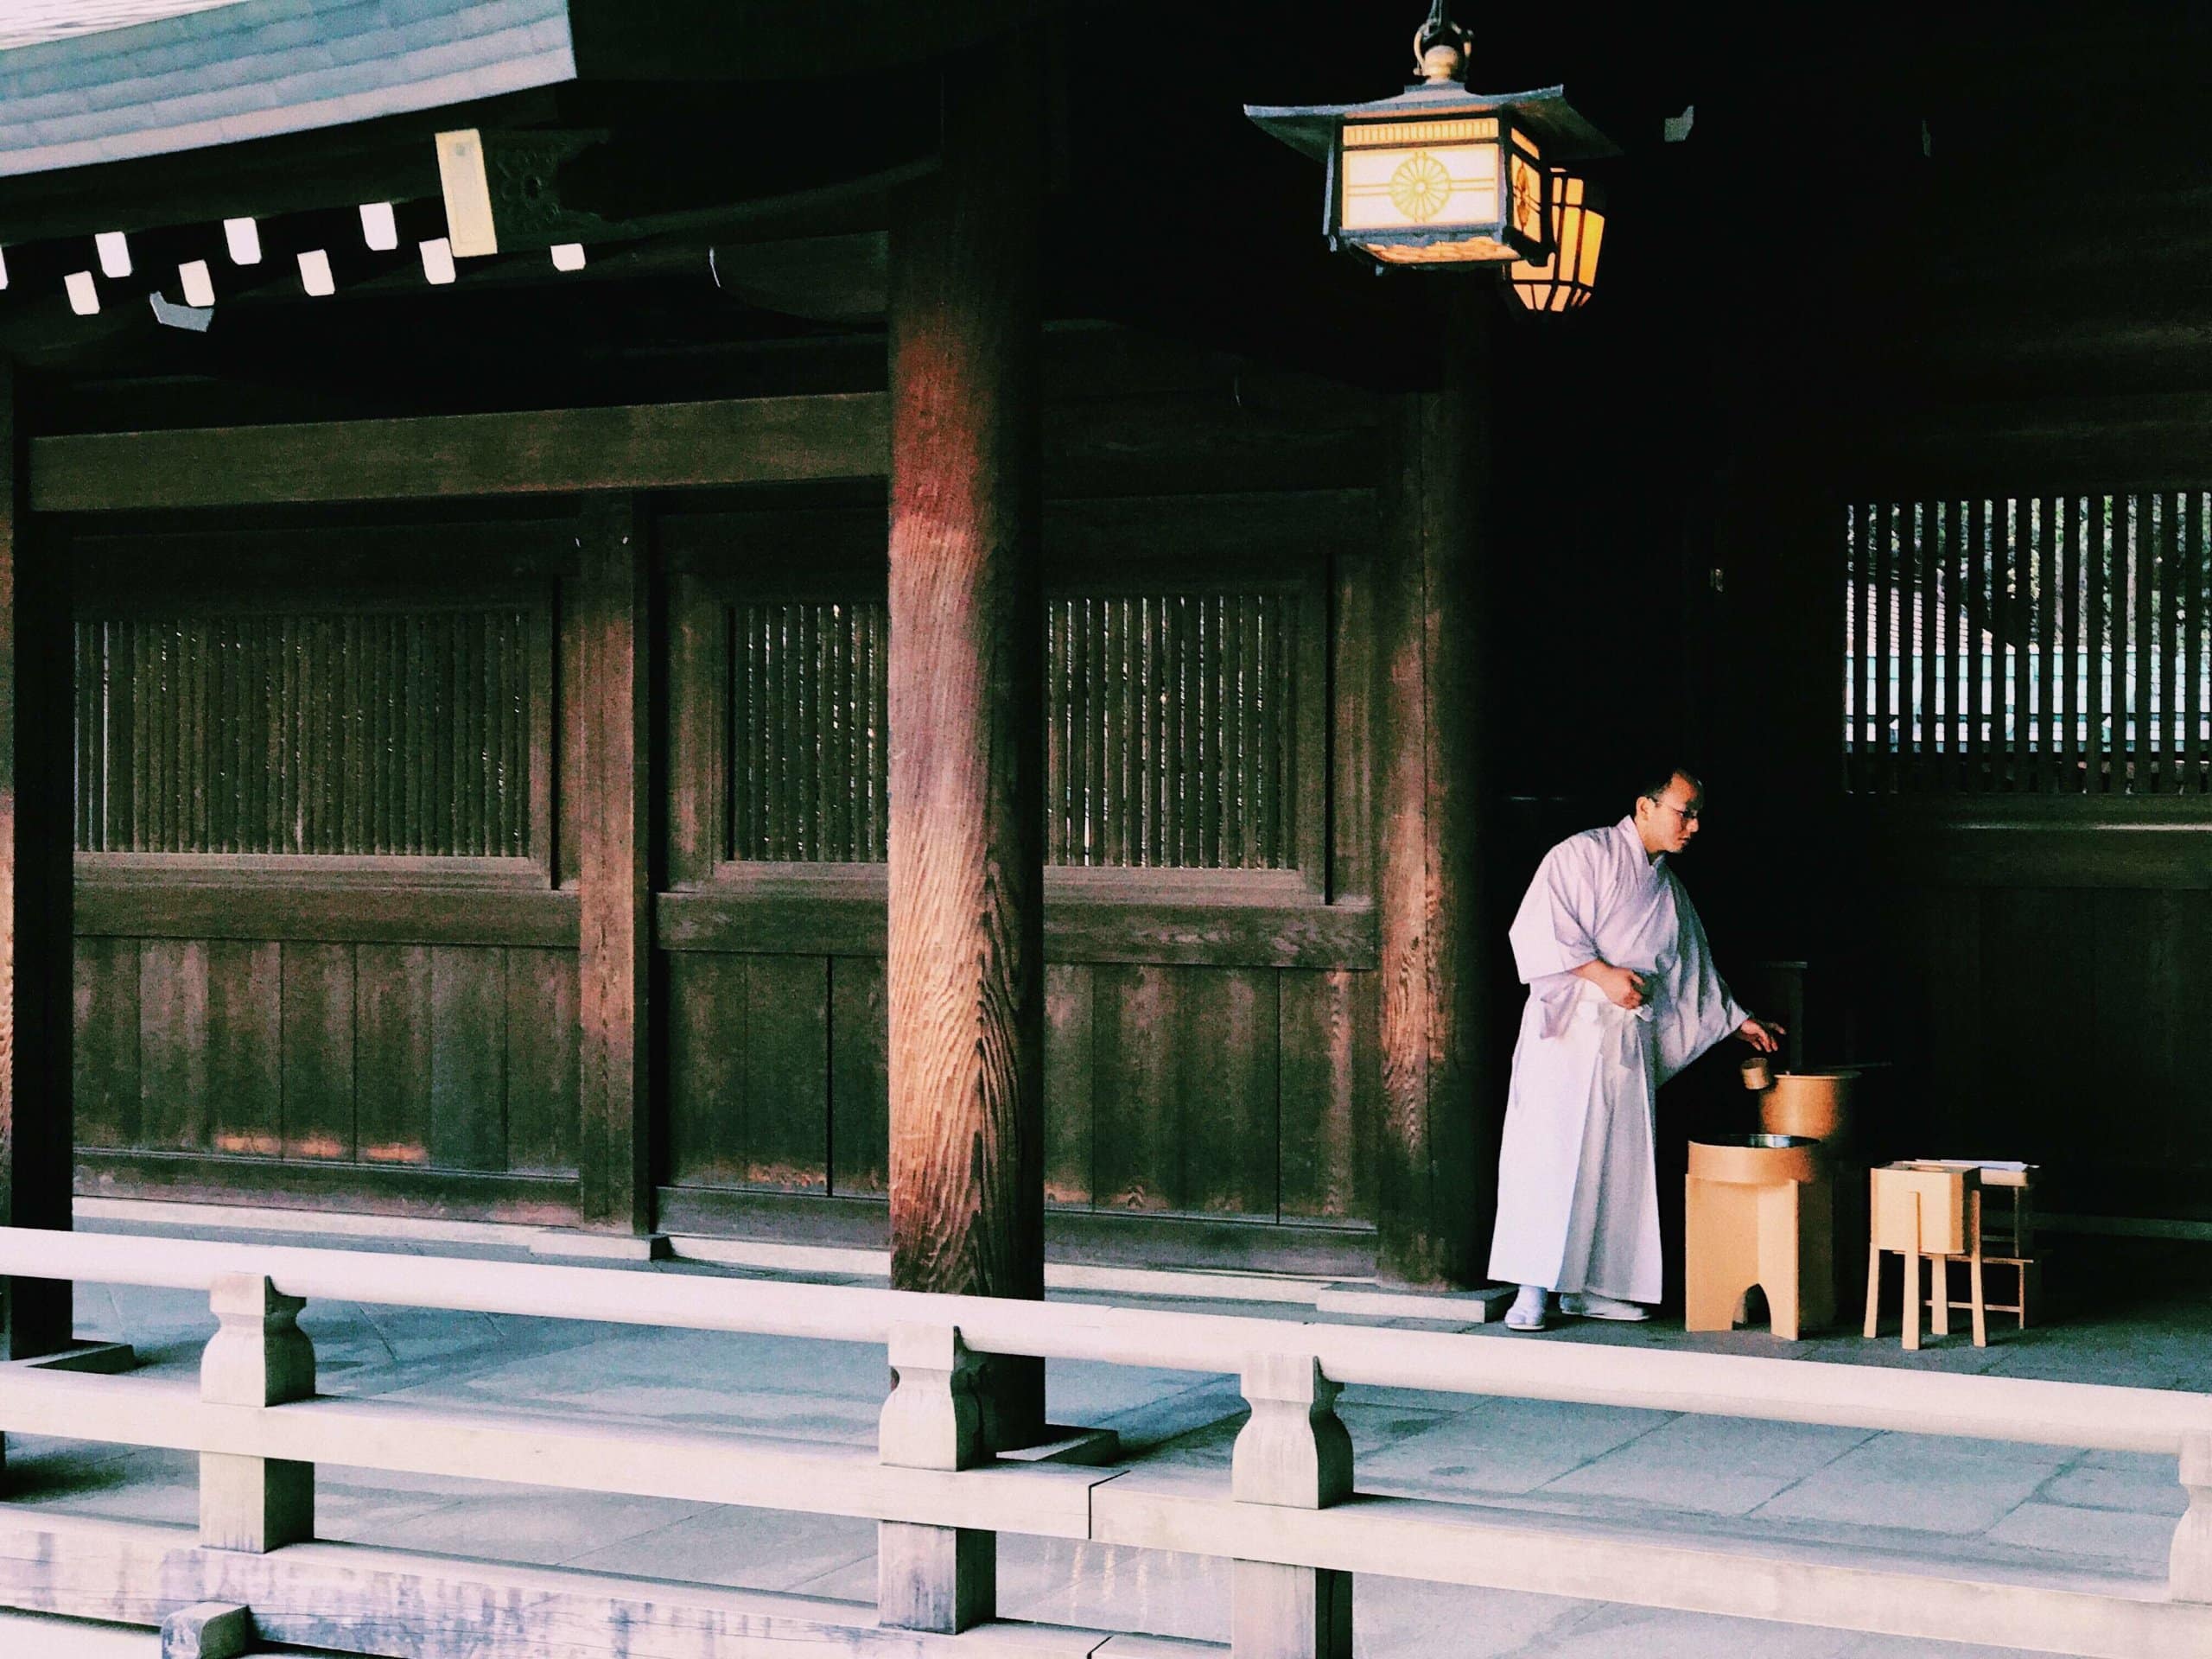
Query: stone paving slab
[[1503, 1445], [745, 1549], [2133, 1481], [2137, 1542], [1720, 1465], [1901, 1480]]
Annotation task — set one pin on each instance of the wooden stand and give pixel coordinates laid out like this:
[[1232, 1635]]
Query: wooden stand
[[2014, 1239], [1926, 1210], [1757, 1216]]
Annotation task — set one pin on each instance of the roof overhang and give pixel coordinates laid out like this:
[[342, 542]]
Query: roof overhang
[[258, 69]]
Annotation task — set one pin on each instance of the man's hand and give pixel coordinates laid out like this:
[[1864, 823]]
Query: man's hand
[[1622, 989], [1765, 1035]]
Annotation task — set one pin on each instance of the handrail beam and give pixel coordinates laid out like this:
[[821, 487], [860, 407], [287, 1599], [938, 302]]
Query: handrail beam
[[2088, 1415]]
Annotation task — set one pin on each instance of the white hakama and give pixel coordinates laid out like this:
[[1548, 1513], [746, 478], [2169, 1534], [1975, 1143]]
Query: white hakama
[[1577, 1191]]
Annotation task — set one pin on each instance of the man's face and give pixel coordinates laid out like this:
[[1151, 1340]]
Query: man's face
[[1670, 823]]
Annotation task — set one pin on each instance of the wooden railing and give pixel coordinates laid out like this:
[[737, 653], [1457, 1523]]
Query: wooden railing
[[1290, 1520]]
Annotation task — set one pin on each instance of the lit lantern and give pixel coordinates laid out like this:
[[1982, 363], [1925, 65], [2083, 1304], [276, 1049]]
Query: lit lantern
[[1439, 176], [1562, 281]]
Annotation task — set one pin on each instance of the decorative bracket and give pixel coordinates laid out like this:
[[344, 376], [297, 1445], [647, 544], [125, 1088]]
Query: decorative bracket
[[934, 1418], [1293, 1452]]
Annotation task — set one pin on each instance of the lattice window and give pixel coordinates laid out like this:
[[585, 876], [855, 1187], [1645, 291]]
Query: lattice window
[[389, 732], [1171, 740], [2053, 644], [811, 761], [1171, 734]]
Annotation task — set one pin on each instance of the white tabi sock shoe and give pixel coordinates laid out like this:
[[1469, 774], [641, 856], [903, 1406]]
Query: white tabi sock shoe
[[1591, 1306], [1528, 1309]]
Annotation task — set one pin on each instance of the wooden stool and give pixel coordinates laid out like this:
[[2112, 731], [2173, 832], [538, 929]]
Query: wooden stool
[[1756, 1213], [1930, 1210]]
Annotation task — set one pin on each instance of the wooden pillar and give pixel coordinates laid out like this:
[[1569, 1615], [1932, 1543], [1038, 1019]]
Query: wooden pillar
[[611, 701], [1443, 1092], [36, 1130], [964, 967]]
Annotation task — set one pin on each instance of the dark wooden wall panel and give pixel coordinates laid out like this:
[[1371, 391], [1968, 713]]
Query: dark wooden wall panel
[[1186, 1073], [106, 1046], [1137, 1158], [245, 1062], [393, 1027], [787, 1073], [1332, 1078], [1162, 1083], [1069, 1107], [540, 1031], [452, 1057], [2152, 997], [2063, 1026], [2039, 1037], [859, 1101], [750, 1062], [415, 1025], [317, 992], [1229, 1067], [172, 1046], [468, 1097], [707, 1017], [1950, 952]]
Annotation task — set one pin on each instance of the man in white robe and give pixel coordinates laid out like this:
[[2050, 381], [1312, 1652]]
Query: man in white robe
[[1622, 995]]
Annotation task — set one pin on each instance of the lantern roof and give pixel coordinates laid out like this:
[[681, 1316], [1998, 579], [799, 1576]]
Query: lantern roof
[[1556, 124]]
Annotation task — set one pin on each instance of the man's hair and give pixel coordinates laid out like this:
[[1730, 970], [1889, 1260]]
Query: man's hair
[[1654, 783]]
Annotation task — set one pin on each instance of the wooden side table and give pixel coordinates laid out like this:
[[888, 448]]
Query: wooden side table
[[2007, 1234], [1928, 1209]]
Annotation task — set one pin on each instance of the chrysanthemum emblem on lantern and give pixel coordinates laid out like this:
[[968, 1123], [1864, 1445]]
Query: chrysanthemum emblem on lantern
[[1440, 175]]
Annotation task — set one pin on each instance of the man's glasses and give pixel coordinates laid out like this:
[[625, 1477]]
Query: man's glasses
[[1688, 815]]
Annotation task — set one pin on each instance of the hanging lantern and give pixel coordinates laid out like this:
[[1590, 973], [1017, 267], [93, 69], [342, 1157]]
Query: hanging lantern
[[1438, 176], [1564, 279]]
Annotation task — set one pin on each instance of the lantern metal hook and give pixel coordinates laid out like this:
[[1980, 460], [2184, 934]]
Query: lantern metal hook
[[1440, 47]]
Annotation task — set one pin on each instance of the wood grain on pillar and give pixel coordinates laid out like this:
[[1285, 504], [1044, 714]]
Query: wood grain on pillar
[[1436, 1167], [610, 703], [36, 974], [964, 963]]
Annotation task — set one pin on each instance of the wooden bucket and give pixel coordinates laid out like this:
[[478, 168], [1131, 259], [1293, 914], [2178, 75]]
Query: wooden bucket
[[1814, 1103]]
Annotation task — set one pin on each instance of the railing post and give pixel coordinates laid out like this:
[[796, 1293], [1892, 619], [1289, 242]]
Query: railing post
[[2191, 1579], [938, 1578], [259, 1358], [1292, 1453]]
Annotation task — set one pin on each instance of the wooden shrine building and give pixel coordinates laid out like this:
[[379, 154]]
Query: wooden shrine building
[[912, 646]]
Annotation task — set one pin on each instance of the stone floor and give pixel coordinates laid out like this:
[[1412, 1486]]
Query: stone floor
[[1974, 1505]]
